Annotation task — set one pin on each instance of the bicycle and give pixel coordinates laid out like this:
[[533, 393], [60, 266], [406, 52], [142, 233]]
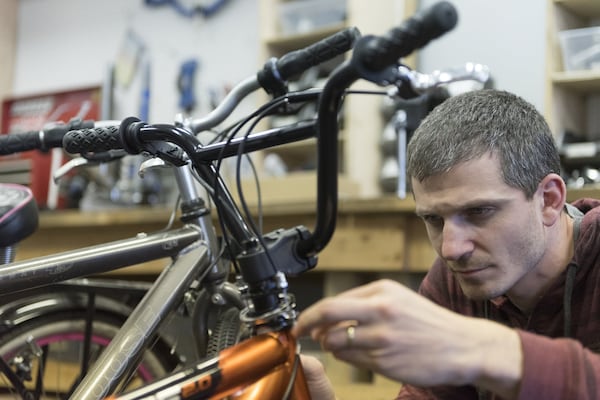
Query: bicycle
[[246, 320], [79, 303]]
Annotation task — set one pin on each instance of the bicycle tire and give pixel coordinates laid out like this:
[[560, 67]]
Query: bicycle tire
[[227, 331], [60, 336]]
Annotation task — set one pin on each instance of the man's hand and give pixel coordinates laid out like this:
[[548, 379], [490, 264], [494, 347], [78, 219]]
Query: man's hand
[[404, 336]]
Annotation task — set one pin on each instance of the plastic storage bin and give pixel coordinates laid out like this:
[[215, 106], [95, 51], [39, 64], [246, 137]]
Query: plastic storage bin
[[301, 16], [580, 48]]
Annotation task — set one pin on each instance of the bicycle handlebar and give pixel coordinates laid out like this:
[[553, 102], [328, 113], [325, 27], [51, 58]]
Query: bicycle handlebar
[[43, 140], [375, 53], [372, 59], [277, 71]]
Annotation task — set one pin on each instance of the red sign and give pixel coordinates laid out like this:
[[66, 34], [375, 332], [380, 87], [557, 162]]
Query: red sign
[[32, 113]]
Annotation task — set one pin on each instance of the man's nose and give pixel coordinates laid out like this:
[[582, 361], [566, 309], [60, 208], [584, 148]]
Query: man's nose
[[456, 242]]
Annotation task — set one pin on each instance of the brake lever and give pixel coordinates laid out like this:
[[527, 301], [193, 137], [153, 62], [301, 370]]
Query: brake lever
[[421, 83], [68, 167], [87, 160], [152, 163]]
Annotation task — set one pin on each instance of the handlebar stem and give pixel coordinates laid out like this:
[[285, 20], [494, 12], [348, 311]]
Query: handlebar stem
[[327, 159]]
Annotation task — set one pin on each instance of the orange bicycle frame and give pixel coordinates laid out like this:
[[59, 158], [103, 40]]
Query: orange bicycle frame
[[263, 367]]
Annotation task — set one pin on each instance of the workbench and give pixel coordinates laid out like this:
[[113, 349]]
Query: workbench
[[379, 235]]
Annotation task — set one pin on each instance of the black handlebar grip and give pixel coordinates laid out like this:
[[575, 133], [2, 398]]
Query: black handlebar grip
[[326, 49], [276, 72], [378, 52], [95, 140], [53, 136], [18, 142], [42, 140]]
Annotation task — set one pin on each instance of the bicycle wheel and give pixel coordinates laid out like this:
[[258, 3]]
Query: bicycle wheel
[[227, 332], [49, 349]]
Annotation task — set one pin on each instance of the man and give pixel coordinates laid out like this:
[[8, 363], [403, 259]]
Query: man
[[511, 307]]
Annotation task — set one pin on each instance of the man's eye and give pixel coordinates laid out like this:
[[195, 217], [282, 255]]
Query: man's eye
[[479, 212], [432, 219]]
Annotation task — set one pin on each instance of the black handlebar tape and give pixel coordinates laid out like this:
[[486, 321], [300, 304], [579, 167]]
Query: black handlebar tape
[[375, 53], [95, 140], [277, 71]]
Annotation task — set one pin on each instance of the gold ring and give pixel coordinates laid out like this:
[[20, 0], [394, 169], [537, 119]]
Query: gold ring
[[350, 335]]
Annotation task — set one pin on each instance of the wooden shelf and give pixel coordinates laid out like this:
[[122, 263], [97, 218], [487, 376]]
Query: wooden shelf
[[364, 231], [295, 146], [580, 7], [142, 216], [121, 216], [363, 122], [571, 96], [285, 43], [591, 192], [579, 81]]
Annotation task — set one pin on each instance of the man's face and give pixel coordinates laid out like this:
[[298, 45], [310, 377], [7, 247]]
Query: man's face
[[490, 236]]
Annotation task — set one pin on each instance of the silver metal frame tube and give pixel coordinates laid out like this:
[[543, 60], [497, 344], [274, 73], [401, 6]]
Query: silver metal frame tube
[[104, 257], [126, 347]]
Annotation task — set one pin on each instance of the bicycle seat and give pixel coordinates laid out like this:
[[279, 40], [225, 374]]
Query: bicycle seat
[[18, 213]]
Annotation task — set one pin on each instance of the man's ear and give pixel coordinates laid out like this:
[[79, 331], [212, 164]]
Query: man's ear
[[553, 195]]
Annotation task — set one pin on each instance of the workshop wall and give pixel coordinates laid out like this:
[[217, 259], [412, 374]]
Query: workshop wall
[[63, 44], [509, 36], [70, 43]]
